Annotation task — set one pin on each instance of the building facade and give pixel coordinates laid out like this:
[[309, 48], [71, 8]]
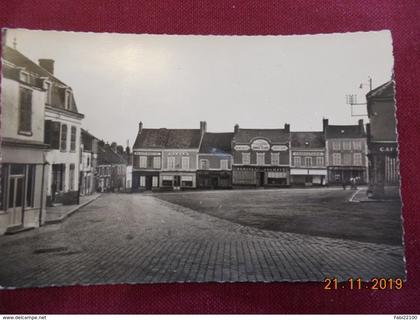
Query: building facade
[[88, 163], [346, 149], [261, 157], [215, 161], [23, 169], [382, 141], [308, 165], [111, 169], [166, 159]]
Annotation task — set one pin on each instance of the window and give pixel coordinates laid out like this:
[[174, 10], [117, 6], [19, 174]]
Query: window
[[167, 181], [156, 162], [63, 139], [357, 159], [24, 77], [308, 161], [320, 161], [149, 162], [260, 159], [143, 162], [346, 145], [185, 162], [73, 139], [224, 164], [204, 164], [171, 162], [347, 159], [67, 103], [336, 145], [336, 159], [186, 181], [357, 145], [71, 177], [136, 161], [246, 158], [88, 161], [25, 111], [47, 87], [142, 181], [155, 181], [275, 159], [297, 161]]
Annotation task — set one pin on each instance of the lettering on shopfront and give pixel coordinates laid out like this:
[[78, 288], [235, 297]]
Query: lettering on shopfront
[[387, 149], [279, 148], [260, 145], [241, 147], [308, 153]]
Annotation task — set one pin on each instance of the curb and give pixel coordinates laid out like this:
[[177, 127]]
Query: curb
[[70, 212]]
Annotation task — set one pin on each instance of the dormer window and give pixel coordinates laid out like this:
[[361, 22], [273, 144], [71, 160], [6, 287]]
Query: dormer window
[[24, 76], [67, 102], [47, 85]]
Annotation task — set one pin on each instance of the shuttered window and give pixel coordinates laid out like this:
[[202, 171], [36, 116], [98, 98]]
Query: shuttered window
[[25, 111], [73, 139], [63, 139]]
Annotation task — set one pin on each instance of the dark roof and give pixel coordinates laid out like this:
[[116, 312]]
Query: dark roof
[[107, 156], [168, 139], [345, 131], [87, 140], [274, 135], [216, 142], [308, 139], [36, 72], [386, 90]]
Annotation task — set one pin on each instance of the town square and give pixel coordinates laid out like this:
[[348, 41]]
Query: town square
[[145, 192]]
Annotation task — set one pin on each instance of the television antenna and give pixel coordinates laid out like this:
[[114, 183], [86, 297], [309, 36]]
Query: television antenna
[[351, 100]]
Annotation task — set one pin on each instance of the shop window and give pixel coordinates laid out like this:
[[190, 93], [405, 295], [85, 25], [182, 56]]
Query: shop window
[[204, 164], [346, 145], [73, 139], [63, 139], [155, 181], [185, 162], [167, 181], [224, 164], [156, 162], [297, 161], [142, 181], [308, 161], [143, 162], [246, 158], [25, 112], [275, 159], [336, 159], [186, 182], [357, 159], [336, 145], [171, 162]]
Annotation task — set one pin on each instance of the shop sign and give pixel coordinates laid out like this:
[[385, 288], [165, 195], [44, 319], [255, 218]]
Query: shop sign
[[308, 153], [241, 147], [279, 148], [260, 145], [144, 153], [387, 149]]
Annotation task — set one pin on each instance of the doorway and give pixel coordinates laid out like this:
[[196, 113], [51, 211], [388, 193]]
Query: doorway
[[149, 182], [15, 201], [261, 176]]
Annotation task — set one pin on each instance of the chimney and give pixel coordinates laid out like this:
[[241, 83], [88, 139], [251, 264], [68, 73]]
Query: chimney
[[361, 126], [324, 124], [236, 128], [140, 126], [287, 127], [203, 126], [47, 64]]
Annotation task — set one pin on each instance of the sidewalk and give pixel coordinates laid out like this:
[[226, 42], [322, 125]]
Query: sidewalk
[[60, 213], [361, 196]]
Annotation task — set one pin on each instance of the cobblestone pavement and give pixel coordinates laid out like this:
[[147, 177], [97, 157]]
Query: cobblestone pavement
[[134, 238]]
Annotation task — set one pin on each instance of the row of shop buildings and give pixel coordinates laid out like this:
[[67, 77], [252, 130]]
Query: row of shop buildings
[[175, 159], [47, 159]]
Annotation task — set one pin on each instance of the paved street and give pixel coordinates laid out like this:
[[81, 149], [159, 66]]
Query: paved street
[[141, 238]]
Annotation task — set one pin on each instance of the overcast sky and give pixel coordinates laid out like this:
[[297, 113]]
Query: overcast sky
[[176, 81]]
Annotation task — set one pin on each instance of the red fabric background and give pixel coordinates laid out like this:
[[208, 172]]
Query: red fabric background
[[230, 17]]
